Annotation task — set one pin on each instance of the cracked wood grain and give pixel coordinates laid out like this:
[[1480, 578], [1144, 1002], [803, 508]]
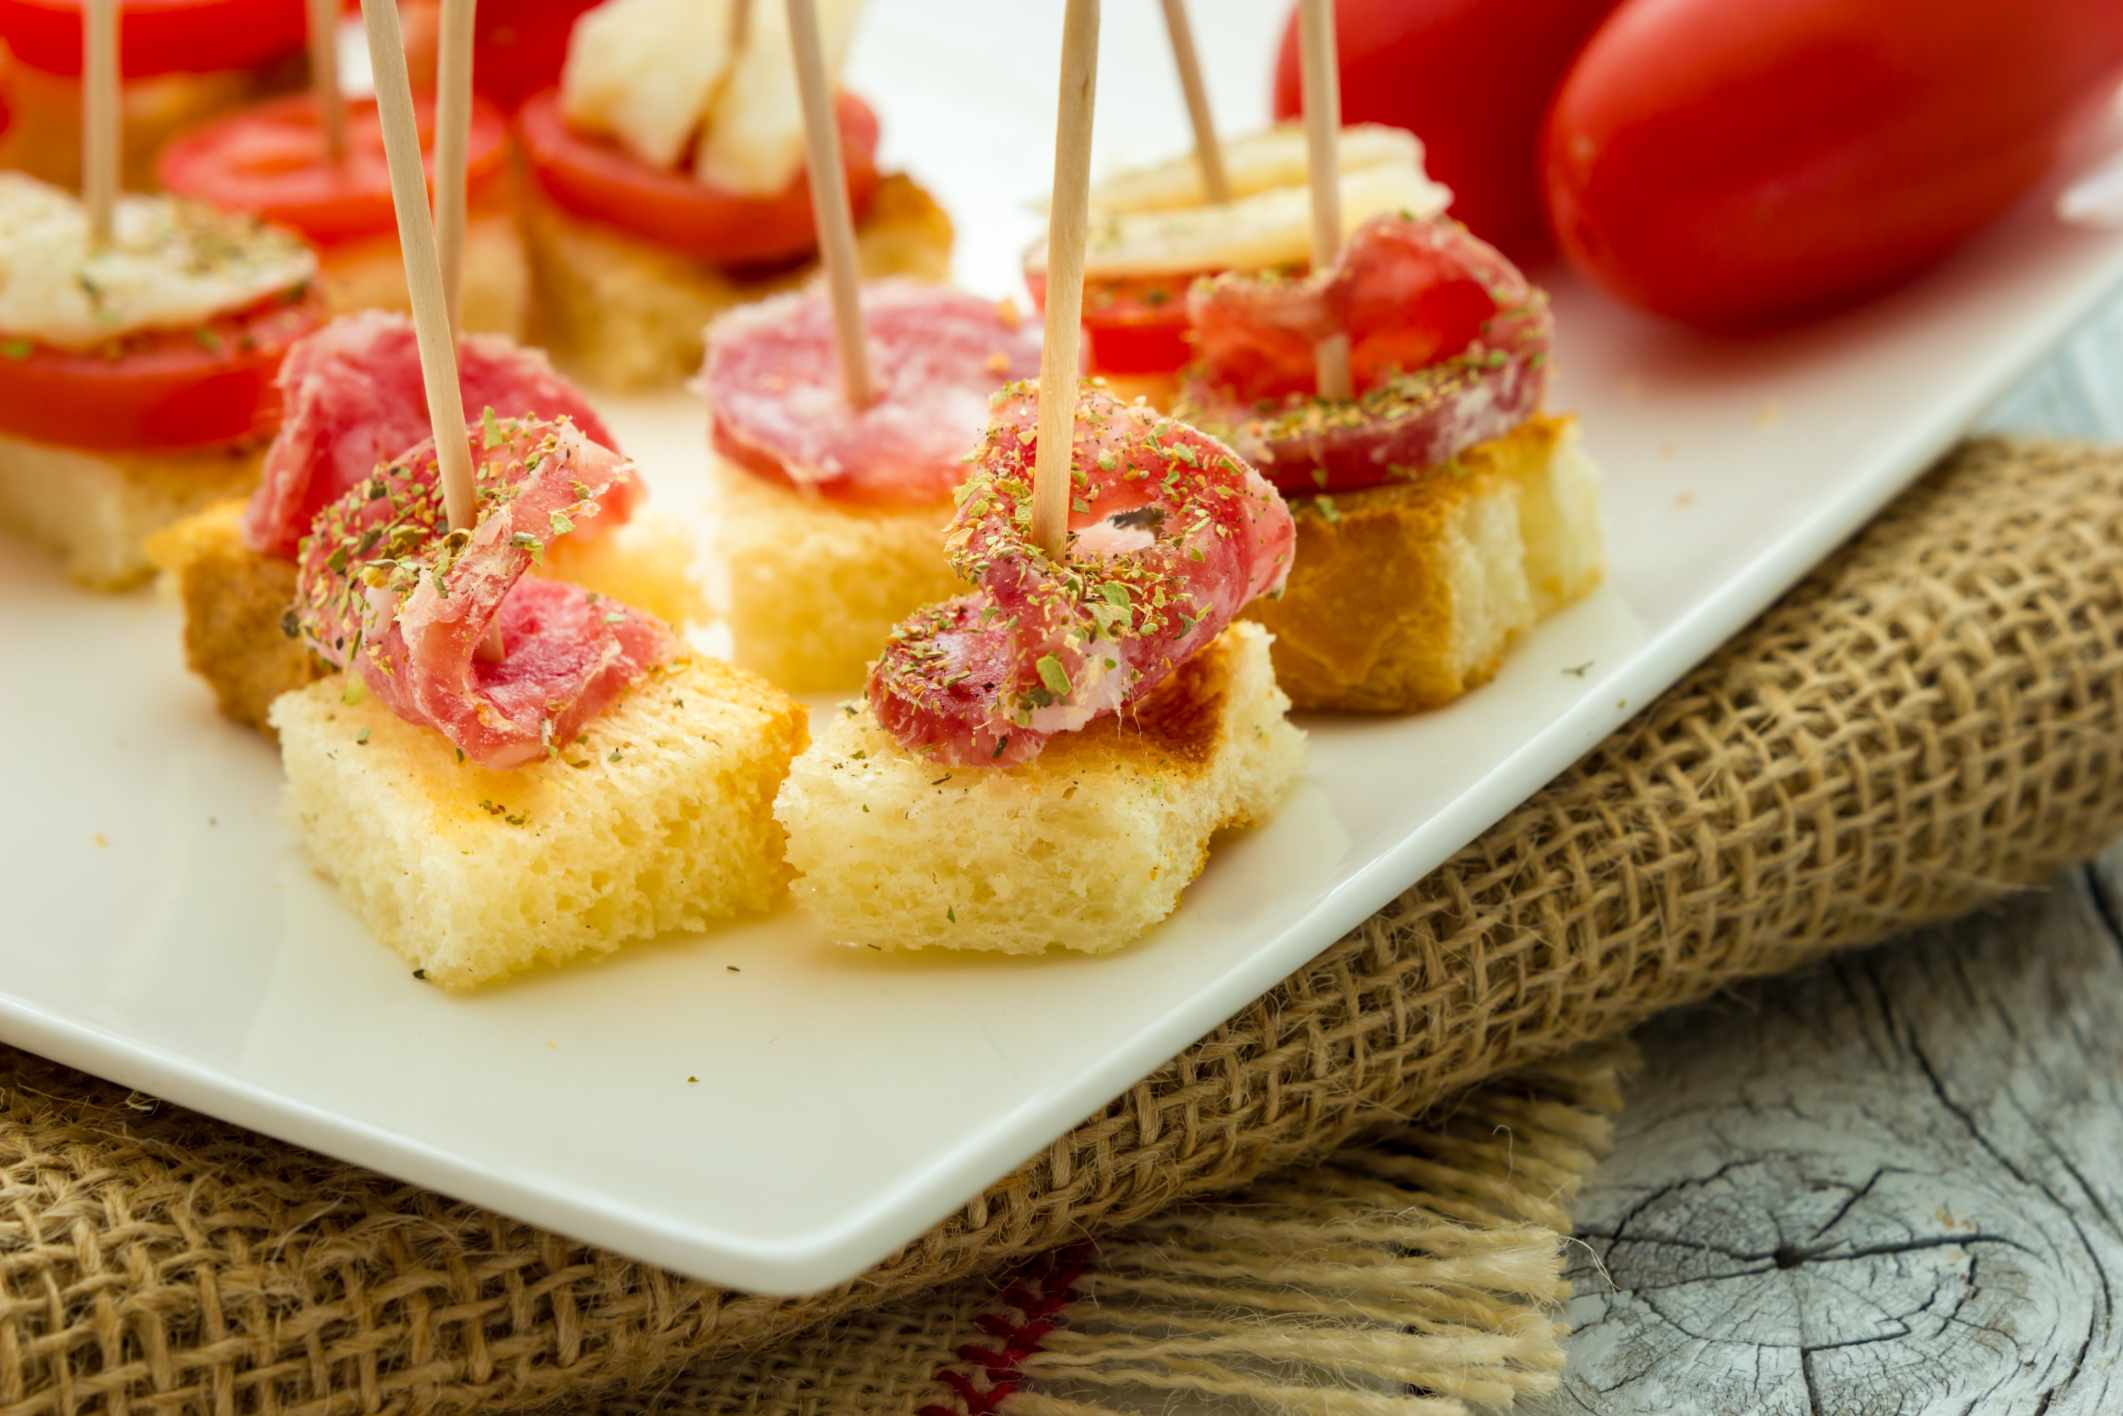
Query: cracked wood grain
[[1893, 1185]]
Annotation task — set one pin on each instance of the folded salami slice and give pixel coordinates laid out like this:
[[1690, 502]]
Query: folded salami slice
[[353, 400], [773, 387], [1448, 348], [386, 590], [1171, 534]]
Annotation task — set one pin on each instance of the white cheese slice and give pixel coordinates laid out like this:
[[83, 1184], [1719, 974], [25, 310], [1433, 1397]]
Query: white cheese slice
[[169, 265], [1256, 163], [1269, 228], [753, 143], [646, 71]]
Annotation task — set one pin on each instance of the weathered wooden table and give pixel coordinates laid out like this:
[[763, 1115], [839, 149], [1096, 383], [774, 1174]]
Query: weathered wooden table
[[1895, 1183]]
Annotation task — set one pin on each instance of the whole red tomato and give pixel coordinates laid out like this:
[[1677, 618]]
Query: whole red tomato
[[158, 36], [518, 46], [1732, 164], [1471, 78]]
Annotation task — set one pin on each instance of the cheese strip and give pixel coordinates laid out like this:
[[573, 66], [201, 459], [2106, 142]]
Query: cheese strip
[[170, 265], [1255, 163], [1269, 228], [754, 143], [646, 71]]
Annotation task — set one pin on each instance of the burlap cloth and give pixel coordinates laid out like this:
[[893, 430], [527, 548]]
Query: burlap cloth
[[1930, 721]]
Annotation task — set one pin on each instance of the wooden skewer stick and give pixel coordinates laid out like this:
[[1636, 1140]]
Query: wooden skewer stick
[[1208, 151], [1068, 228], [453, 129], [423, 275], [324, 77], [835, 219], [101, 121], [1323, 130], [740, 25]]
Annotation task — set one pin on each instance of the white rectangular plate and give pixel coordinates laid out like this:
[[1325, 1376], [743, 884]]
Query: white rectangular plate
[[162, 929]]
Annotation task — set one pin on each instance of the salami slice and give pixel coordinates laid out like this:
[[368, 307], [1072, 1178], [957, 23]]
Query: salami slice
[[1171, 534], [385, 589], [353, 399], [1448, 348], [773, 388]]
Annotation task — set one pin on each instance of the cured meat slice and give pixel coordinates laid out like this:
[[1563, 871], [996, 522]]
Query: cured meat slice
[[1171, 534], [353, 399], [385, 589], [1448, 348], [773, 388]]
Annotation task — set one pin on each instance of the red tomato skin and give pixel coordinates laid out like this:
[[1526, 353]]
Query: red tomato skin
[[268, 159], [169, 392], [1472, 79], [600, 180], [1131, 324], [519, 46], [158, 36], [1738, 165]]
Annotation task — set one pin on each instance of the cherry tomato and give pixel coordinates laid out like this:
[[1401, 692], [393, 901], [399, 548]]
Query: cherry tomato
[[269, 159], [1471, 78], [604, 182], [159, 390], [1132, 324], [158, 36], [519, 46], [1731, 164]]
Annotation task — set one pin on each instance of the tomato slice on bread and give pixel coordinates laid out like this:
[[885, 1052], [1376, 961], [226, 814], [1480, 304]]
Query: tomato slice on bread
[[595, 178], [269, 159], [158, 36], [1133, 324], [159, 390]]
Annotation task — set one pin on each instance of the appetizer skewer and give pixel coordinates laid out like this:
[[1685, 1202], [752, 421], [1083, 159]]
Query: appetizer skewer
[[1044, 760], [137, 360], [666, 183], [439, 782]]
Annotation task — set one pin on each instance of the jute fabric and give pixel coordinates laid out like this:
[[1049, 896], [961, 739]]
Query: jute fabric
[[1415, 1275], [1933, 719]]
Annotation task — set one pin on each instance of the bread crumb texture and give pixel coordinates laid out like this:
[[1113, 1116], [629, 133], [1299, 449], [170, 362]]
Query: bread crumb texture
[[815, 587], [647, 562], [97, 509], [621, 312], [658, 818], [1406, 596], [1086, 846]]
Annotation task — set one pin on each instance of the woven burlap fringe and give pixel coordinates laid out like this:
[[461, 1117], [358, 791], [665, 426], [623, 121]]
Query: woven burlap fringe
[[1931, 720], [1415, 1276]]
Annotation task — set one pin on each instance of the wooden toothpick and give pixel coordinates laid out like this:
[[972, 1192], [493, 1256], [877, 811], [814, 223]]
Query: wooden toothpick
[[324, 77], [740, 25], [453, 135], [1208, 151], [1323, 130], [831, 214], [1068, 227], [101, 121]]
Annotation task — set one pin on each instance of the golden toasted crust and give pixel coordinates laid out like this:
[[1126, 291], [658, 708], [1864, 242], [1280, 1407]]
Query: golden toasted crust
[[1405, 597], [97, 509], [659, 817], [621, 312], [1085, 846], [234, 600]]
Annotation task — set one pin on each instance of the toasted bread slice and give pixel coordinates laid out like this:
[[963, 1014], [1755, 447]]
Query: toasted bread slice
[[814, 587], [97, 509], [623, 313], [234, 599], [370, 275], [660, 817], [1086, 846], [1405, 597]]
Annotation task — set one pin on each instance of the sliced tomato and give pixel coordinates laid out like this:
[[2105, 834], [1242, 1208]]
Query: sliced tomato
[[598, 179], [1132, 324], [269, 159], [162, 390], [158, 36]]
